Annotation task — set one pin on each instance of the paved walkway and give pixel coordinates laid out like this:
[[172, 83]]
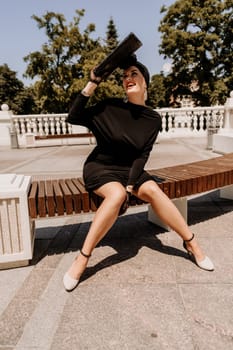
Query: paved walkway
[[139, 291]]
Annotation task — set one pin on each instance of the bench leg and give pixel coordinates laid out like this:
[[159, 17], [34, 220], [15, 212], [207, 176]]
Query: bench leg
[[227, 192], [180, 203]]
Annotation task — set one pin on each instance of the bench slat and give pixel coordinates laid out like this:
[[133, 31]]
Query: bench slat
[[67, 197], [32, 200], [76, 195], [41, 199], [58, 196], [94, 200], [84, 195], [51, 208]]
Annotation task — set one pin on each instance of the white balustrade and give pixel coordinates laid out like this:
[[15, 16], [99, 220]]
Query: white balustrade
[[183, 121], [195, 119], [41, 124]]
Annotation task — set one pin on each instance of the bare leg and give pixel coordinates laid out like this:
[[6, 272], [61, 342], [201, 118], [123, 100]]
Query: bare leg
[[169, 214], [114, 195]]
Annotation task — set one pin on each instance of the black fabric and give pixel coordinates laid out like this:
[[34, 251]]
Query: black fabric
[[130, 44], [125, 134]]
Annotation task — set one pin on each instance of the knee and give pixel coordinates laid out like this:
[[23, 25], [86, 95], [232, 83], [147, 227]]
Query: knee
[[148, 191], [118, 196], [114, 194]]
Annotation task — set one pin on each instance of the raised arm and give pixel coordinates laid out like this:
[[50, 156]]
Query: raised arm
[[77, 111]]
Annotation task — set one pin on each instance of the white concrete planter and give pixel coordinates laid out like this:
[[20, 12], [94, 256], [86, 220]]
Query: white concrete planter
[[16, 227]]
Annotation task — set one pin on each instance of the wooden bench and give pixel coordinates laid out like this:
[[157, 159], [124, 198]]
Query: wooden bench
[[64, 136], [75, 138], [59, 139], [50, 198]]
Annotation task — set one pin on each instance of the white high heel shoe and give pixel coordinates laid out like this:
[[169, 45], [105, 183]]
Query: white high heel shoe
[[205, 264], [69, 282]]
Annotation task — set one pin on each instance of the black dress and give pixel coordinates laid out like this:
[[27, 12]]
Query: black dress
[[125, 134]]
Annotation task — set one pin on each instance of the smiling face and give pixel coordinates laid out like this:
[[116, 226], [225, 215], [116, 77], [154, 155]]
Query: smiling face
[[134, 84]]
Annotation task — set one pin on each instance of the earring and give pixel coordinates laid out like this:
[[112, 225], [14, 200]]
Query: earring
[[125, 99]]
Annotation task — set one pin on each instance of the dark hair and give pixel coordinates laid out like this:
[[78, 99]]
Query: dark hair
[[132, 61]]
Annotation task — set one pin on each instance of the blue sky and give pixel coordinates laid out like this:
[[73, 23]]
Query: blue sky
[[19, 34]]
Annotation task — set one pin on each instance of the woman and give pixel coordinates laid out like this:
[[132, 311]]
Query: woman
[[125, 132]]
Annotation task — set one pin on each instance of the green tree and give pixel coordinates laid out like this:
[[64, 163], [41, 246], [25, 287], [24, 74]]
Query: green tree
[[62, 68], [111, 36], [12, 92], [157, 91], [197, 35], [62, 65], [112, 86]]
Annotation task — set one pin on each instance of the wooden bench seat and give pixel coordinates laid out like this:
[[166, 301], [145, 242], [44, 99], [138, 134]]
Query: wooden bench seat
[[192, 178], [64, 136], [84, 137], [49, 198]]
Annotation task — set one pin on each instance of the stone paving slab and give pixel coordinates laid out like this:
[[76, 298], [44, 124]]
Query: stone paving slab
[[137, 316], [209, 310]]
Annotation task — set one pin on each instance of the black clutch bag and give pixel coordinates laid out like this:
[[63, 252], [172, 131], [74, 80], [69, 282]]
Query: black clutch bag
[[126, 48]]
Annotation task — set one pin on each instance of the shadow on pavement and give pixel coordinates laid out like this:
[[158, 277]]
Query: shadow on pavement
[[128, 235]]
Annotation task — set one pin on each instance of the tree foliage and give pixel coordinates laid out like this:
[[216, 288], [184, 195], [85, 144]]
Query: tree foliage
[[12, 92], [197, 35], [111, 36], [63, 66], [157, 92]]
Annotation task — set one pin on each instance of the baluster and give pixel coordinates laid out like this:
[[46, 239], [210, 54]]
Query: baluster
[[221, 117], [218, 118], [28, 124], [201, 122], [171, 118], [182, 120], [215, 118], [40, 126], [52, 125], [189, 120], [194, 122], [69, 126], [46, 125], [16, 125], [58, 130], [173, 121], [63, 124], [163, 116], [34, 126], [22, 126]]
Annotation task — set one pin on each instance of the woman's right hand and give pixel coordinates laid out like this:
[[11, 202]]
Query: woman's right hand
[[91, 85], [94, 79]]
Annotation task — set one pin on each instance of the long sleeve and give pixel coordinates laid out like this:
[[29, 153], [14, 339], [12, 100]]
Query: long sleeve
[[78, 113]]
